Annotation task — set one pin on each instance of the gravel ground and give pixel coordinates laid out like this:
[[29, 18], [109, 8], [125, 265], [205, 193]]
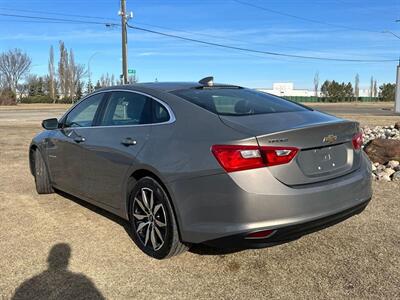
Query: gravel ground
[[58, 243]]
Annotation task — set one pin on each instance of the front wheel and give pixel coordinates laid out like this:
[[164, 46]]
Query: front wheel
[[42, 178], [153, 223]]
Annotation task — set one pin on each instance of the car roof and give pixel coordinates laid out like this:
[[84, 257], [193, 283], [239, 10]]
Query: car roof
[[162, 86]]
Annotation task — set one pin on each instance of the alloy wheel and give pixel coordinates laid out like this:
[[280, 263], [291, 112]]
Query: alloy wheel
[[149, 219]]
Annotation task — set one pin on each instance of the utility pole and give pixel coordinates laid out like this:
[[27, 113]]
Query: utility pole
[[397, 95], [122, 13]]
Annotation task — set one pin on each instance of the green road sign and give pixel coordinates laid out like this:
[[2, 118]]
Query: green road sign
[[131, 71]]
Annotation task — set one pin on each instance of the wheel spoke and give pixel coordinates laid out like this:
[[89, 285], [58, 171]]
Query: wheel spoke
[[141, 205], [159, 234], [147, 235], [142, 225], [160, 224], [151, 200], [146, 201], [153, 238], [139, 217], [156, 208]]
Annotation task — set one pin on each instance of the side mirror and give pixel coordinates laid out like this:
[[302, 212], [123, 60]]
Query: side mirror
[[50, 124]]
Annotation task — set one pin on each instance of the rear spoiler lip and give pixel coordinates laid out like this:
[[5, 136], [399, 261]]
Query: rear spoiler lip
[[313, 125]]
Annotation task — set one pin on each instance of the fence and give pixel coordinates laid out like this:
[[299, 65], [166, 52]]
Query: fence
[[319, 99]]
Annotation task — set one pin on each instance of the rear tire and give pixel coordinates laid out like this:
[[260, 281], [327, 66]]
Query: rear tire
[[153, 223], [42, 179]]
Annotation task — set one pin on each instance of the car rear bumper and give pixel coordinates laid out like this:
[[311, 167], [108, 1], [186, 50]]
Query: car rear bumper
[[220, 206], [289, 233]]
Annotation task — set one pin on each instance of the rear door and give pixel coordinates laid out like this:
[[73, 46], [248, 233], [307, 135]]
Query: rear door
[[111, 149]]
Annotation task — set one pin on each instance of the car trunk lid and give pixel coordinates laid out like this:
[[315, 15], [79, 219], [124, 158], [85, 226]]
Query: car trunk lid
[[324, 143]]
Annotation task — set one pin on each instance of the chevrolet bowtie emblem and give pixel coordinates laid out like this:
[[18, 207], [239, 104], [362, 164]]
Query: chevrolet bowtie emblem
[[330, 139]]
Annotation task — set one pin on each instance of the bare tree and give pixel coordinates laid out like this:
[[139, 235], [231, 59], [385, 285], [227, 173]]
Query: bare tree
[[3, 83], [72, 82], [105, 80], [52, 85], [133, 79], [357, 86], [316, 84], [62, 69], [79, 72], [371, 87], [375, 89], [14, 64], [112, 79]]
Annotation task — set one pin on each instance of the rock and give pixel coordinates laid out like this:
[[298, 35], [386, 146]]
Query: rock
[[393, 164], [397, 125], [389, 171], [373, 168], [379, 175], [380, 168], [396, 176], [383, 150], [385, 178]]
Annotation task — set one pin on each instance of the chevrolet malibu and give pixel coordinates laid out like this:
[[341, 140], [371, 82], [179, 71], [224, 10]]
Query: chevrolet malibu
[[189, 163]]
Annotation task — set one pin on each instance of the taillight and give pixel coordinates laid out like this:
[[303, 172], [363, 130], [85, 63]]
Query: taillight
[[260, 234], [357, 141], [278, 155], [237, 158]]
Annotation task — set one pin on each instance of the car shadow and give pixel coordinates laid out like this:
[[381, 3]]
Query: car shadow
[[57, 282], [96, 209], [202, 249], [198, 249]]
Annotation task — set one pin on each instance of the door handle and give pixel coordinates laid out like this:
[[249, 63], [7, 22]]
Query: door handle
[[79, 139], [128, 142]]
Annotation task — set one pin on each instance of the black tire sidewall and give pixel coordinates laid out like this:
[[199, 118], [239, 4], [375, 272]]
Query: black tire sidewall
[[39, 165], [164, 199]]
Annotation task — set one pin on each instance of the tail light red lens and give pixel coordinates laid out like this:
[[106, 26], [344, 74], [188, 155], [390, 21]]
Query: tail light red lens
[[261, 234], [237, 158], [278, 155], [357, 141]]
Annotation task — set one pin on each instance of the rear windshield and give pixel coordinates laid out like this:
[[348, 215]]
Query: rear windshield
[[237, 101]]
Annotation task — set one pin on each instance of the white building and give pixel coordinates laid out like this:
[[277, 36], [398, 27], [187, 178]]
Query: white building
[[287, 89]]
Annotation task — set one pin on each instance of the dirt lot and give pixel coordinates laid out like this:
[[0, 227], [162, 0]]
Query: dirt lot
[[359, 258]]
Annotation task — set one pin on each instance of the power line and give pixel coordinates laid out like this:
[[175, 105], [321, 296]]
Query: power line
[[56, 14], [59, 19], [303, 18], [243, 49], [140, 23], [260, 51]]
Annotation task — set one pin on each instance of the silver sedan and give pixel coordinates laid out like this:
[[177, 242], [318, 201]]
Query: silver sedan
[[189, 163]]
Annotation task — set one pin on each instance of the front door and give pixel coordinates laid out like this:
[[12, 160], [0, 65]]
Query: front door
[[64, 150]]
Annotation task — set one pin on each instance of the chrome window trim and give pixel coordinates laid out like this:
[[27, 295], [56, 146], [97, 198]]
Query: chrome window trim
[[171, 120]]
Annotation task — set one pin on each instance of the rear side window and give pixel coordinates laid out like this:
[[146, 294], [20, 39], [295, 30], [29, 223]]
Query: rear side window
[[128, 108], [237, 101]]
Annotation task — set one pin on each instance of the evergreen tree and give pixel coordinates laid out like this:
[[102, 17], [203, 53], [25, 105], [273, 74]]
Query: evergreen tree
[[98, 85]]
